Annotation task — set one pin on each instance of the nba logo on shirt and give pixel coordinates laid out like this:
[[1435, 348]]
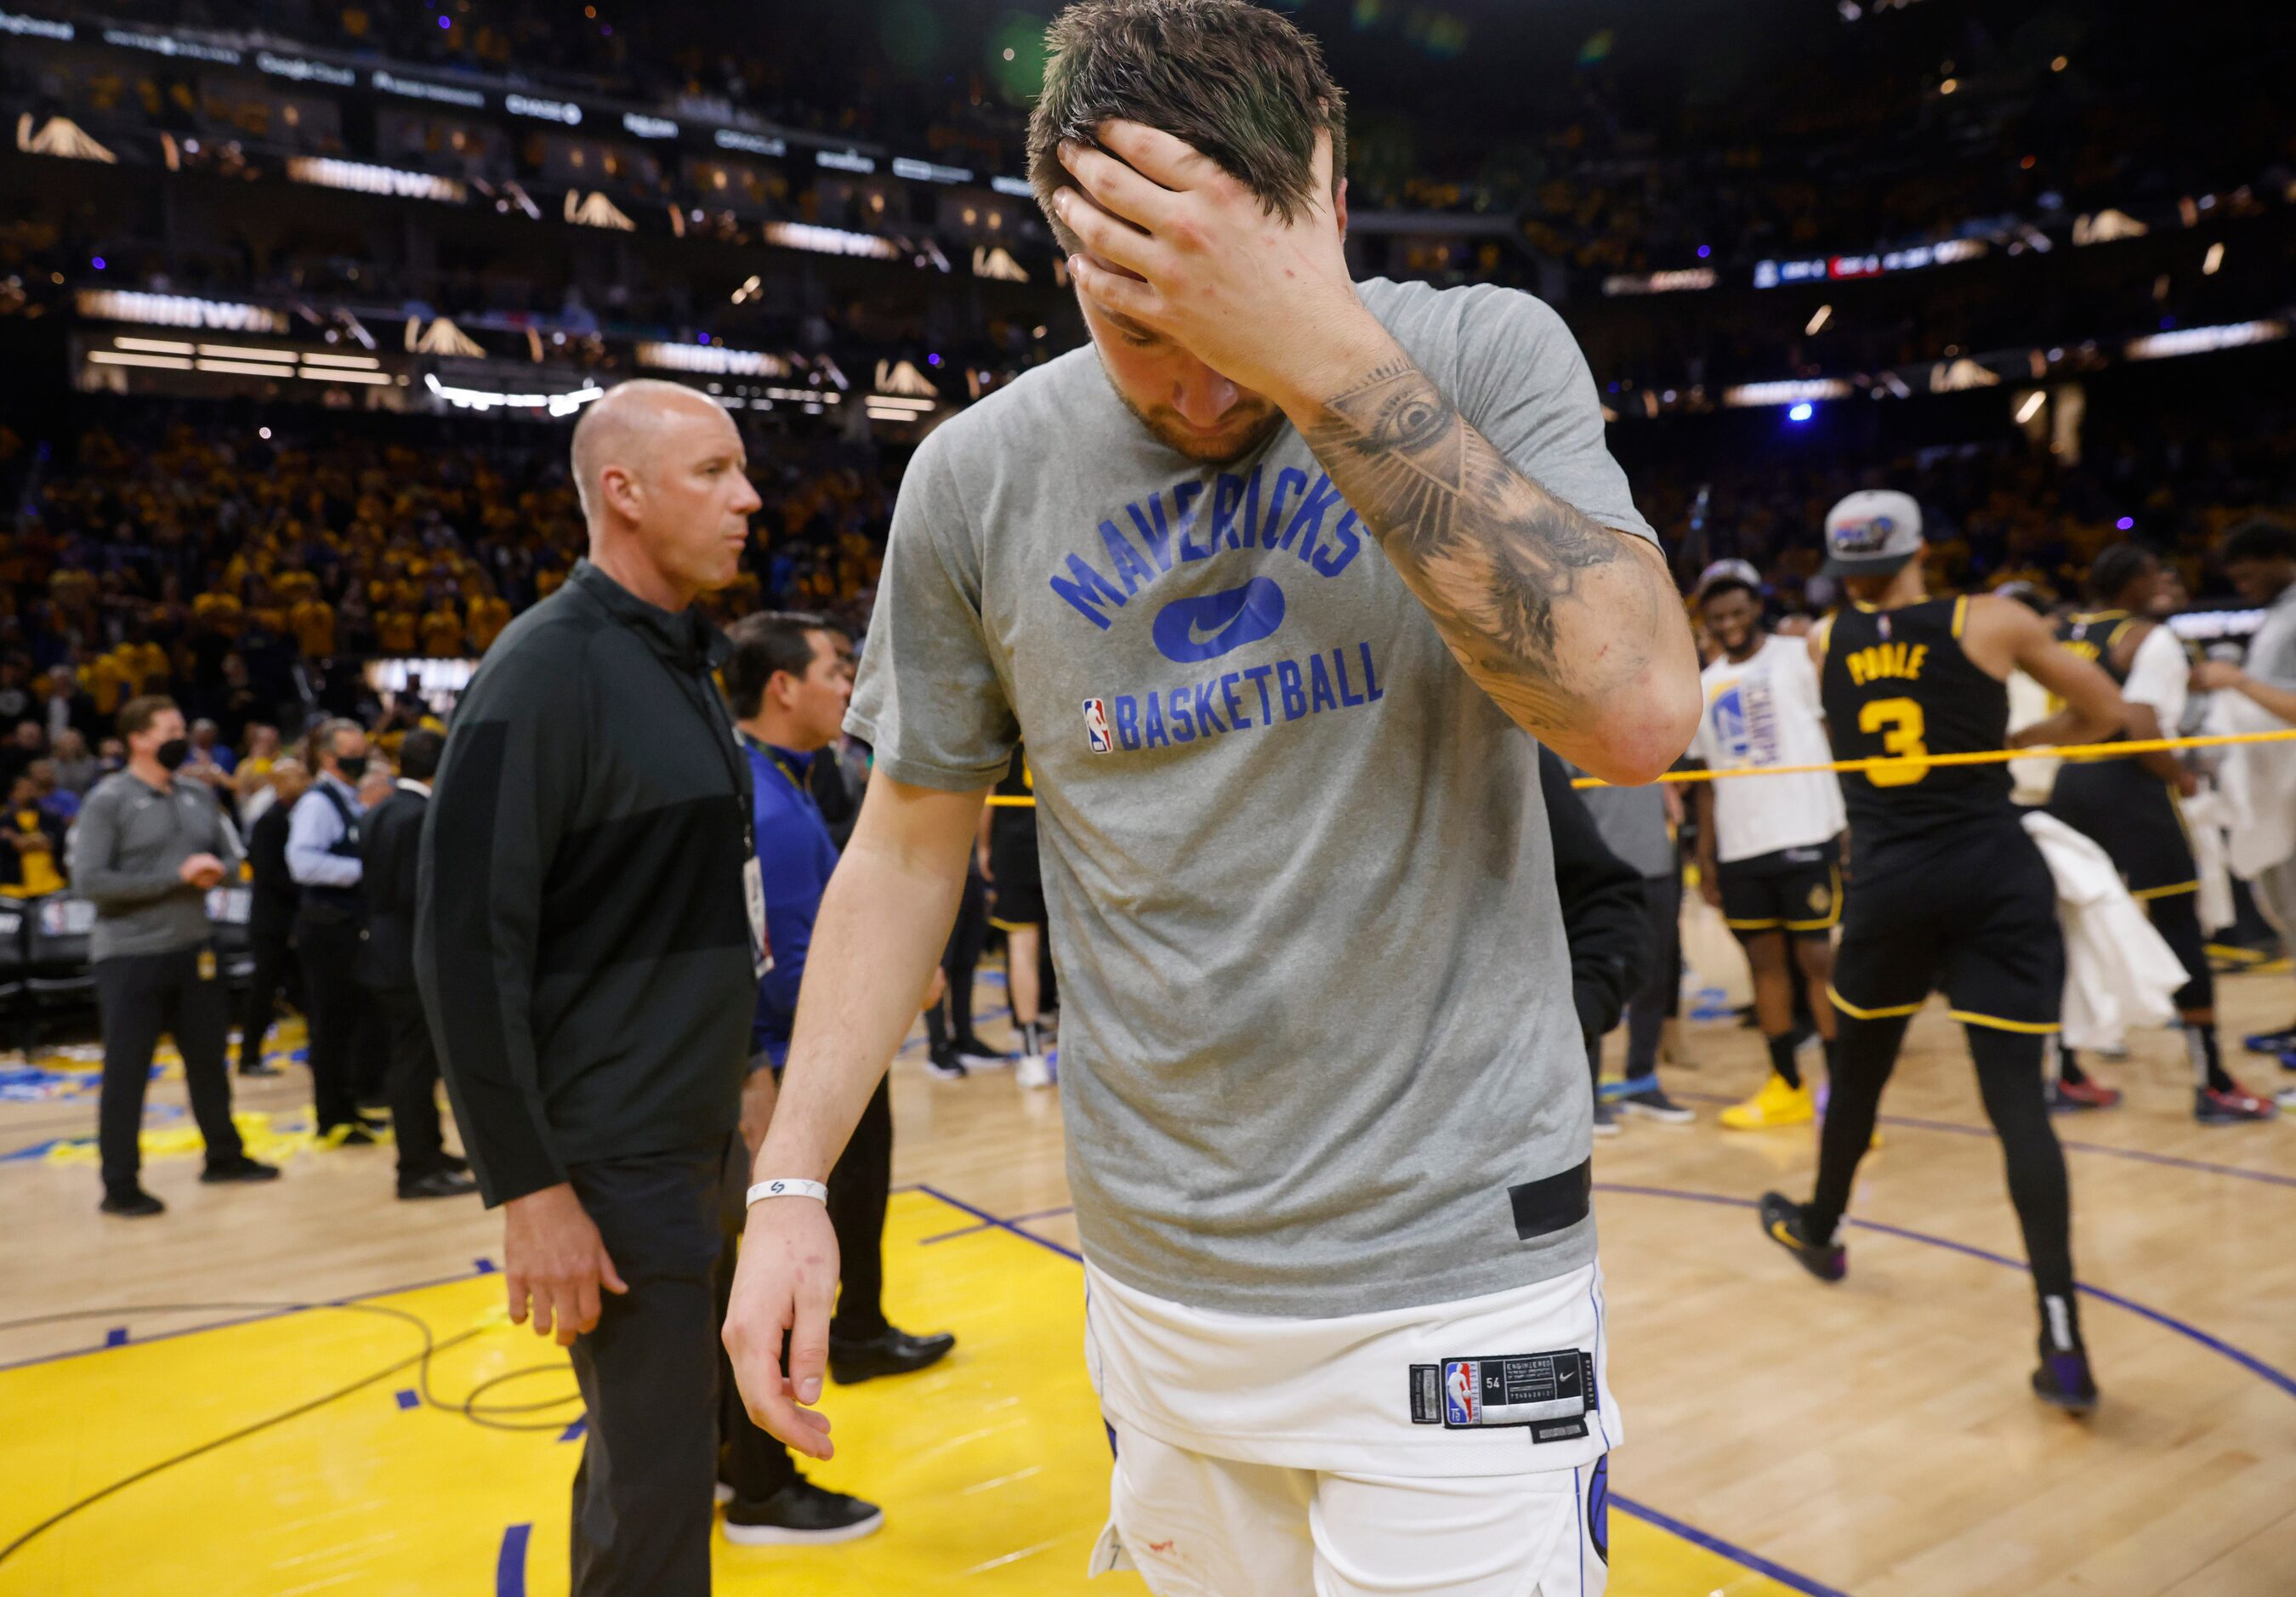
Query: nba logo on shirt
[[1095, 726], [1462, 1392]]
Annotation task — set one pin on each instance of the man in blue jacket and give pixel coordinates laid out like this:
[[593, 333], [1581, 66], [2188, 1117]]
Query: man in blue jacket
[[789, 676]]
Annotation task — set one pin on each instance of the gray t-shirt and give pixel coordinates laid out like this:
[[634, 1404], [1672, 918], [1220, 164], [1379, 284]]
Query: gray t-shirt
[[1317, 1017]]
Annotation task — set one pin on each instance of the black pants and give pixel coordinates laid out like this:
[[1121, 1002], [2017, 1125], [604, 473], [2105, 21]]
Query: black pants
[[2009, 1077], [750, 1461], [649, 1374], [414, 1082], [138, 996], [968, 935], [1655, 1002], [860, 1184], [337, 1009], [274, 972]]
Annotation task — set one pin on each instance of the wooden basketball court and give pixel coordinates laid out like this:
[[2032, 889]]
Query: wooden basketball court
[[175, 1415]]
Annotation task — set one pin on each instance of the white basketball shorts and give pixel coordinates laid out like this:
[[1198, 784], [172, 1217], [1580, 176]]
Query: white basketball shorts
[[1456, 1448]]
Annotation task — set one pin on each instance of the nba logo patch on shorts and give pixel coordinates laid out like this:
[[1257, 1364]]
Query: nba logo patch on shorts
[[1462, 1392], [1095, 726]]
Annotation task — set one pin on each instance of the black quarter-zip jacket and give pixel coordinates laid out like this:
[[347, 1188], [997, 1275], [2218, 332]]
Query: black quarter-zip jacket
[[582, 941]]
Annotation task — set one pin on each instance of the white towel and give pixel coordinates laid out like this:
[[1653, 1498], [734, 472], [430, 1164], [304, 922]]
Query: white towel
[[2204, 823], [2117, 971], [2258, 784]]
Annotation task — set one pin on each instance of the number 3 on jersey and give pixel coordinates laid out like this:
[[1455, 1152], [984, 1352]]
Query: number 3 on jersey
[[1901, 725]]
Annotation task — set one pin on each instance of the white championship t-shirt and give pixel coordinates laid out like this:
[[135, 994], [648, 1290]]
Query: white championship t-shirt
[[2160, 675], [1764, 711]]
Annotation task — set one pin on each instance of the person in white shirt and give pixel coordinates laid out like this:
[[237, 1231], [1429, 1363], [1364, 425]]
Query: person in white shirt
[[2128, 806], [1769, 847]]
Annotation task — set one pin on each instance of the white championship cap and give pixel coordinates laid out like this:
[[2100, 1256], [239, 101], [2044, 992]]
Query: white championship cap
[[1872, 533], [1740, 571]]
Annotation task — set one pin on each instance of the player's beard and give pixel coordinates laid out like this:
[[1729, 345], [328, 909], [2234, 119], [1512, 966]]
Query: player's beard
[[1248, 424]]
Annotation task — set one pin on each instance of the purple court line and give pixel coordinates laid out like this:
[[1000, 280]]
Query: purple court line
[[2247, 1361], [486, 1268], [986, 1218], [966, 1231], [1712, 1544], [510, 1563], [2271, 1178], [1729, 1550]]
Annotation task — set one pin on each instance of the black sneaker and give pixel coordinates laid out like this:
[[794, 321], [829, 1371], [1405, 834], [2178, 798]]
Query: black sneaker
[[801, 1514], [1606, 1119], [438, 1183], [2064, 1380], [1783, 1224], [241, 1168], [2272, 1041], [133, 1204], [454, 1162], [974, 1054], [895, 1353], [258, 1067], [354, 1135], [945, 1067], [1651, 1103]]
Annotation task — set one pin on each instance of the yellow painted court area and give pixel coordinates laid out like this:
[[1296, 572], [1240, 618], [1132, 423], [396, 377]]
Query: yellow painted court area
[[992, 1468]]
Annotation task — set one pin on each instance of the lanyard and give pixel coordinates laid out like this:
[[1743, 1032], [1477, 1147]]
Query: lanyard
[[780, 764]]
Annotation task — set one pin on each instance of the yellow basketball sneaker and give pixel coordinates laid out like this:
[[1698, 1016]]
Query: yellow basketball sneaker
[[1777, 1104]]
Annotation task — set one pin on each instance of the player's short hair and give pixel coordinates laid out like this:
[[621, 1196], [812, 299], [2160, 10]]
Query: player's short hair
[[2259, 537], [2111, 571], [773, 640], [1233, 80], [136, 716], [418, 754]]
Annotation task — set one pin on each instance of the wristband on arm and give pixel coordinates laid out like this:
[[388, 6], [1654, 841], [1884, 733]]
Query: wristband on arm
[[788, 1187]]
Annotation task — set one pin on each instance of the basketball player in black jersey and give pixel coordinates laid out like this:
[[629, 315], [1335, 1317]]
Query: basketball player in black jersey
[[1946, 890], [2129, 807]]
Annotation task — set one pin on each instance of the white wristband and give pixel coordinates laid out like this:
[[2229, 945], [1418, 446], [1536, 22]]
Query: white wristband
[[789, 1187]]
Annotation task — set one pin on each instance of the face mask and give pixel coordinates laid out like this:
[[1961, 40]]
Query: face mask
[[173, 753], [354, 766]]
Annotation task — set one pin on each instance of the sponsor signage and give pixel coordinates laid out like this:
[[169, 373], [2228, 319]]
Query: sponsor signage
[[414, 88], [564, 112]]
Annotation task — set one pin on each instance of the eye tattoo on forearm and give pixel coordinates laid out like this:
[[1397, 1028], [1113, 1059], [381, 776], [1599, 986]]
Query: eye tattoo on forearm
[[1494, 558]]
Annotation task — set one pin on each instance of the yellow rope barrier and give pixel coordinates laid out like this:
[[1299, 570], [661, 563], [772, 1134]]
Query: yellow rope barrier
[[1984, 757]]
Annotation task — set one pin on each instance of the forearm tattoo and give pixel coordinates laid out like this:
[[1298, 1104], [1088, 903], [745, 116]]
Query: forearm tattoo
[[1504, 566]]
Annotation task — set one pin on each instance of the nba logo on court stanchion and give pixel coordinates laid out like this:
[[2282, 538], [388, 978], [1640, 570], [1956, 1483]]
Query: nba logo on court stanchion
[[1095, 726], [1462, 1392]]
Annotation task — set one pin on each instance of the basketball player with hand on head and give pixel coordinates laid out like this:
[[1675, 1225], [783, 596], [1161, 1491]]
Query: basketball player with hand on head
[[1274, 578], [1769, 851], [2129, 807], [1948, 891]]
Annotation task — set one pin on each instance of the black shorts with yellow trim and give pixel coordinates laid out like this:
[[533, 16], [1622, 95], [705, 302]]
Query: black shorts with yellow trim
[[1974, 913], [1792, 890], [1017, 883], [2135, 817]]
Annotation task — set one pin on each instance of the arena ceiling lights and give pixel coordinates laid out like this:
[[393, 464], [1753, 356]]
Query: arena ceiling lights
[[829, 241], [485, 399], [2203, 340], [38, 28], [1793, 391], [327, 172], [1659, 282], [713, 360], [240, 360], [178, 310]]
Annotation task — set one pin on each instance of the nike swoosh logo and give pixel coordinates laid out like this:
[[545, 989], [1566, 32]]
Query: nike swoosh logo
[[1204, 627], [1778, 1230]]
